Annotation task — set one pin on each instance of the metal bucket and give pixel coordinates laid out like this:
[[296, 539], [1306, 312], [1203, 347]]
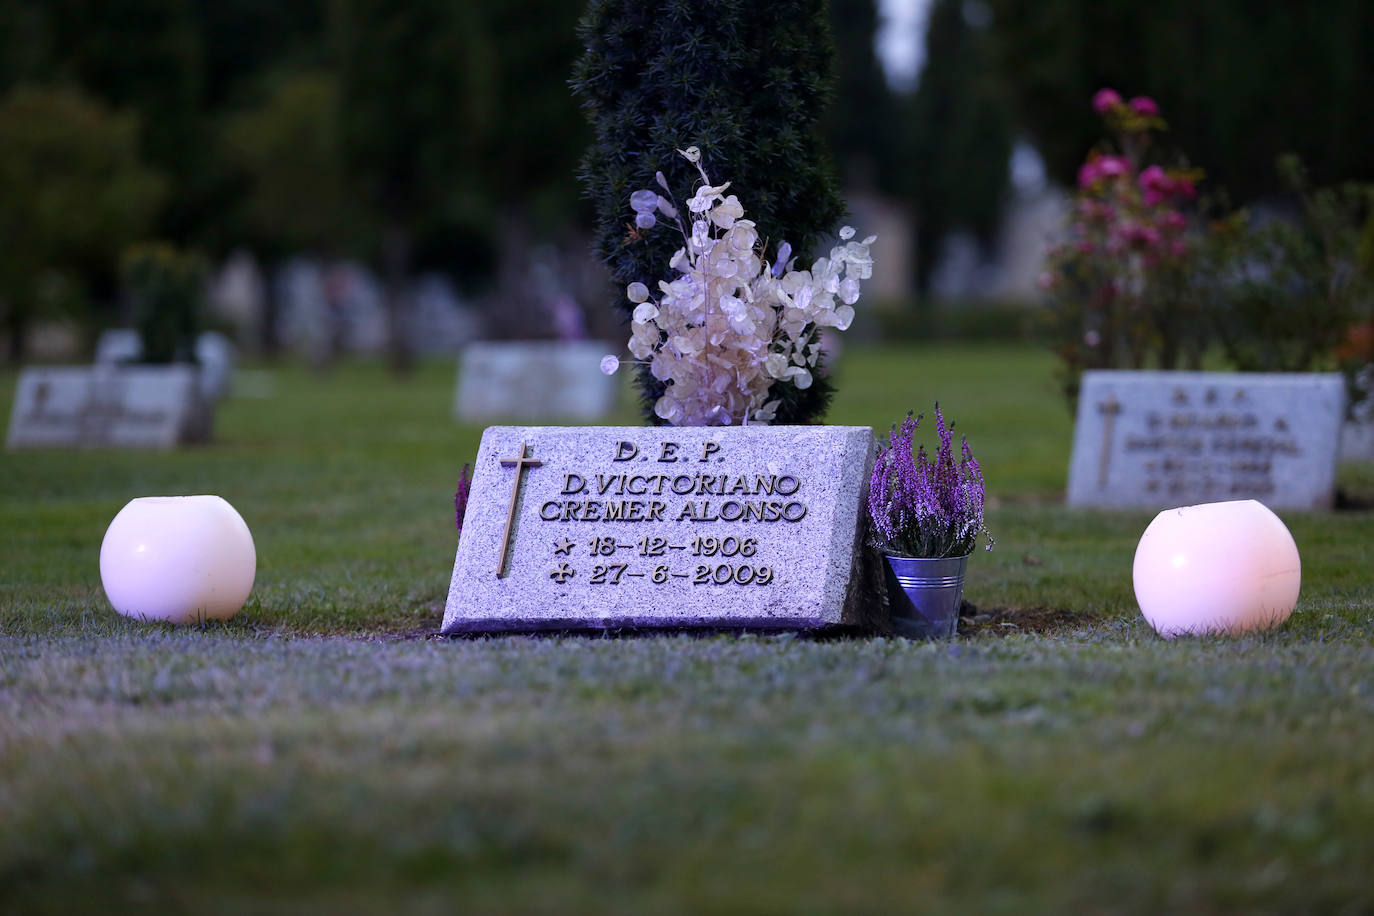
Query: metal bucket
[[924, 595]]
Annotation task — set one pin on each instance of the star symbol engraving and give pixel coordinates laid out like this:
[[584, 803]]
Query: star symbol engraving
[[561, 574], [563, 546]]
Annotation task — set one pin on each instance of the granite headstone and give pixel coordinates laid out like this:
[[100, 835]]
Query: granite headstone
[[1357, 438], [215, 355], [663, 527], [104, 406], [1162, 439], [118, 345], [534, 380]]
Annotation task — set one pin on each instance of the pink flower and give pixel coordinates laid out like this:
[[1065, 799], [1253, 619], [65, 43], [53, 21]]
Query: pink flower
[[1105, 100], [1155, 177], [1137, 235], [1087, 174], [1112, 166], [1145, 106], [1173, 221], [1155, 185], [1100, 167], [1091, 211]]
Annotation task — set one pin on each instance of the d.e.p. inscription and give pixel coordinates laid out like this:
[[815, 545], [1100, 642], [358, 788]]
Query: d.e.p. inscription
[[1159, 439], [597, 527]]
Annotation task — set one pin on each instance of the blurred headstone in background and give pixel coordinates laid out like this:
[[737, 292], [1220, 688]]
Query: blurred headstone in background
[[329, 311], [890, 288], [238, 295], [441, 322], [1006, 271], [215, 357], [118, 345], [1357, 436], [1156, 439], [534, 380], [215, 353], [107, 406]]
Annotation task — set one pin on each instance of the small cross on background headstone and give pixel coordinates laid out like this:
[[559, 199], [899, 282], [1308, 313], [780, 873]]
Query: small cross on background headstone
[[1109, 409]]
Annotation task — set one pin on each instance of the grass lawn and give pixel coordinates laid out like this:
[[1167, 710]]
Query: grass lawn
[[320, 754]]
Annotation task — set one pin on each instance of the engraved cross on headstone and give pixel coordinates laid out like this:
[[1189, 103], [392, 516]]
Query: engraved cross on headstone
[[1109, 409], [519, 464]]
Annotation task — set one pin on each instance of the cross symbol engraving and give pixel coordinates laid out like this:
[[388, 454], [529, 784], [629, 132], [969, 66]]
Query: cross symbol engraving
[[42, 391], [561, 574], [1109, 409], [519, 464]]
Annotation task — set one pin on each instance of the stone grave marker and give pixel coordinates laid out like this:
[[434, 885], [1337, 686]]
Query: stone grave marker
[[214, 353], [1357, 438], [104, 406], [618, 527], [1162, 439], [534, 380], [118, 345]]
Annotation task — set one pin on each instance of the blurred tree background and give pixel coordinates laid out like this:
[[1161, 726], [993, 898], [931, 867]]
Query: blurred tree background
[[442, 135], [1241, 81]]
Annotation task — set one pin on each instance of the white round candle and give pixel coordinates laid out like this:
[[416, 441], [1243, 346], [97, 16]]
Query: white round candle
[[1216, 568], [178, 558]]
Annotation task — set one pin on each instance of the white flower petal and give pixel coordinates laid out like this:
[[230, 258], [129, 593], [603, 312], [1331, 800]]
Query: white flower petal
[[637, 292], [849, 291], [643, 201], [609, 365]]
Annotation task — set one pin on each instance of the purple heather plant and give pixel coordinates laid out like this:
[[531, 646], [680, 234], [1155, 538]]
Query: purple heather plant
[[922, 507], [460, 498]]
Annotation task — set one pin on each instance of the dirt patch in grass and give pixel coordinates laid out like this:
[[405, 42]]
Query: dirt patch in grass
[[1002, 621]]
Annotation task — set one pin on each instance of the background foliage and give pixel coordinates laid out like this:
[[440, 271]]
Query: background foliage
[[73, 193], [237, 108], [1243, 80]]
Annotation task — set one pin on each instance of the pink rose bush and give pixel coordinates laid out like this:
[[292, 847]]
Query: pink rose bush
[[1118, 282], [730, 328]]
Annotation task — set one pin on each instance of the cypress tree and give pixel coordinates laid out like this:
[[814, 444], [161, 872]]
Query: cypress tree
[[745, 85]]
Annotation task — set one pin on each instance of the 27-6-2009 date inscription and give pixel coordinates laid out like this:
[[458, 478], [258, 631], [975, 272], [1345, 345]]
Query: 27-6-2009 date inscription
[[719, 574]]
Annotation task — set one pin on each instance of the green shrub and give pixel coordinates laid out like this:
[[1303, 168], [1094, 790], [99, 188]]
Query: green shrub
[[166, 288], [746, 86], [1286, 295], [1142, 281]]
